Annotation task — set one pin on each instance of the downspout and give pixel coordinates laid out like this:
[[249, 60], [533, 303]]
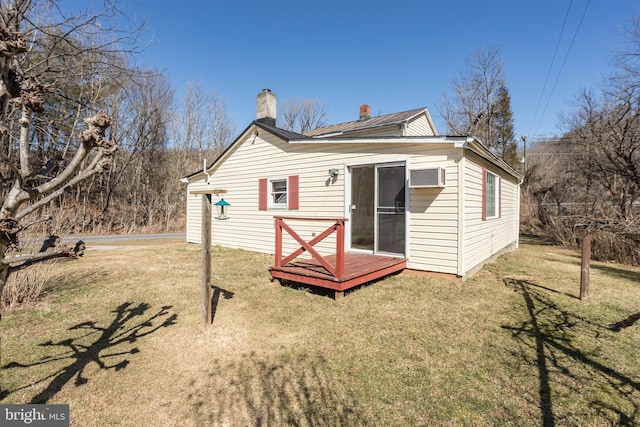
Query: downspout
[[518, 213], [204, 169]]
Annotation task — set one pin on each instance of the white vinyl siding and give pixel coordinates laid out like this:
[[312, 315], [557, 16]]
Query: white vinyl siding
[[194, 210], [432, 213], [419, 126], [432, 248], [433, 220], [267, 156], [484, 239]]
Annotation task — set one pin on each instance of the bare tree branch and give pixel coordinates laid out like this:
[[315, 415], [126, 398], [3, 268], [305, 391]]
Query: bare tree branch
[[19, 262], [301, 115], [54, 69]]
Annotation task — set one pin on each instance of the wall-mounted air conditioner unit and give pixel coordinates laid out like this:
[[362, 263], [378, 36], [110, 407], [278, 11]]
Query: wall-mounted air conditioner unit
[[427, 178]]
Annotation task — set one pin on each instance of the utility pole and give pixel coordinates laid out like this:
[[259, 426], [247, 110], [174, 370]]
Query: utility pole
[[524, 154]]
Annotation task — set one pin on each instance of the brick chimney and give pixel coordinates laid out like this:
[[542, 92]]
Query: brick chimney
[[365, 112], [266, 108]]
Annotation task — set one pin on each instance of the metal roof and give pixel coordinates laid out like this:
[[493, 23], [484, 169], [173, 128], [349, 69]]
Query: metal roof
[[373, 122]]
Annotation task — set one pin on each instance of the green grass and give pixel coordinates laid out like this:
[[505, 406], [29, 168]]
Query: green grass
[[118, 336]]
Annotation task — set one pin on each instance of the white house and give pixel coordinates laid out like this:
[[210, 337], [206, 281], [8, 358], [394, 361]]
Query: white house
[[444, 203]]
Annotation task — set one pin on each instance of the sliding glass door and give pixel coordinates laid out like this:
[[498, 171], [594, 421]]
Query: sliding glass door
[[378, 209]]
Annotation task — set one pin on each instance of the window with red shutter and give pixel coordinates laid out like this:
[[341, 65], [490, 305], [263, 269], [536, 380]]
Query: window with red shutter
[[294, 192], [263, 196], [279, 193]]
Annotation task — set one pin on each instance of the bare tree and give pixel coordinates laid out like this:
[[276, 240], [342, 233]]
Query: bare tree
[[550, 183], [201, 129], [301, 115], [134, 183], [626, 60], [47, 56], [606, 133], [588, 184], [476, 95], [203, 123]]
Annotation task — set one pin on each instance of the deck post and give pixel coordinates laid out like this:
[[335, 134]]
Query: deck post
[[206, 260], [278, 255], [340, 249]]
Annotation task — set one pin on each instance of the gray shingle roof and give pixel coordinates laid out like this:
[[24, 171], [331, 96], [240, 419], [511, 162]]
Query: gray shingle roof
[[286, 135]]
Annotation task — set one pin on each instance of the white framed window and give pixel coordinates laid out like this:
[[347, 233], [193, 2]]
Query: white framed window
[[491, 196], [278, 193]]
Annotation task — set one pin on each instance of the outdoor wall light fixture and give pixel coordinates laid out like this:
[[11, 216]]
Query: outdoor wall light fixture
[[333, 172], [222, 207]]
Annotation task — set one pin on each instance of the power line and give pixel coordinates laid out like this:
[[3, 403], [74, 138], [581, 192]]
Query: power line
[[553, 58], [555, 83]]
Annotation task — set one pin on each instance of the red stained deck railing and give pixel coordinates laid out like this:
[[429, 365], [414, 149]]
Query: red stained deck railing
[[336, 270]]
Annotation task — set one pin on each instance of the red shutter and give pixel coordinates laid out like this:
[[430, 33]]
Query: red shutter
[[499, 197], [484, 194], [262, 194], [293, 192]]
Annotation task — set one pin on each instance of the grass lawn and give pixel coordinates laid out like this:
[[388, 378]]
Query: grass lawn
[[118, 336]]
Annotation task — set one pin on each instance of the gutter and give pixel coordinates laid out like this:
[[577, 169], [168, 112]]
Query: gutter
[[479, 148]]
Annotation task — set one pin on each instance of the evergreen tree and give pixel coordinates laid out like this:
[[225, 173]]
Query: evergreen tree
[[505, 144]]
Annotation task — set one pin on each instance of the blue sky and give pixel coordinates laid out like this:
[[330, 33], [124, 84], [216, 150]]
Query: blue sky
[[393, 55]]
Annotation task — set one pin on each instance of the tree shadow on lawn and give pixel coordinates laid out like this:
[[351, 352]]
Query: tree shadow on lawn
[[546, 341], [625, 323], [272, 390], [130, 323], [617, 271], [609, 268]]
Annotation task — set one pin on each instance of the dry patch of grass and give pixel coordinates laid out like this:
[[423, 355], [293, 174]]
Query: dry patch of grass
[[119, 338]]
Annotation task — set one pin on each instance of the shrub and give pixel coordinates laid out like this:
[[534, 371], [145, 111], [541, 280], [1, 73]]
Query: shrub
[[24, 287]]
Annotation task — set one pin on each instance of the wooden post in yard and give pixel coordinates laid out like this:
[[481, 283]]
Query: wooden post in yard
[[584, 272], [205, 281]]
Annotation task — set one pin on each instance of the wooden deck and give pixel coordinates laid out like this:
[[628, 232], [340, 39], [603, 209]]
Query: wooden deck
[[358, 269], [338, 272]]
